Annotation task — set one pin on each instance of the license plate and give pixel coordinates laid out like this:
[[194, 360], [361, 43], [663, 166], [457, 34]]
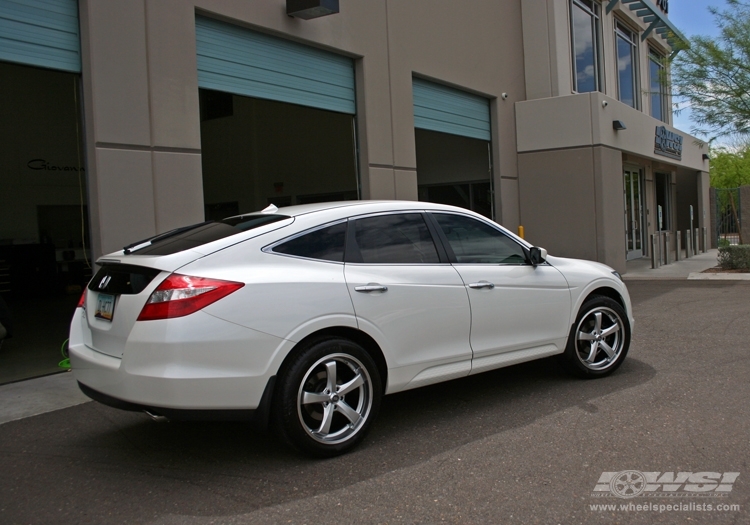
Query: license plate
[[105, 307]]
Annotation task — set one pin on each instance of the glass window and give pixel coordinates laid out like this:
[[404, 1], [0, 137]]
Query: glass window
[[189, 237], [585, 29], [393, 239], [326, 244], [474, 241], [627, 65], [658, 92]]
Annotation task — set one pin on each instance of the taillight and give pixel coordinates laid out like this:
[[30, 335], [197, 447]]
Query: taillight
[[82, 300], [181, 295]]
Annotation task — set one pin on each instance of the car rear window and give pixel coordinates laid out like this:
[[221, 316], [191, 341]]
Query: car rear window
[[122, 279], [189, 237]]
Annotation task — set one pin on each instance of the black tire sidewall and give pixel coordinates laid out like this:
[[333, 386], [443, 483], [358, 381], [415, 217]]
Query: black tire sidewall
[[571, 357], [285, 411]]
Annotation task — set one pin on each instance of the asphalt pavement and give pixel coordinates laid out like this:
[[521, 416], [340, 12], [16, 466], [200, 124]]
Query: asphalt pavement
[[526, 444]]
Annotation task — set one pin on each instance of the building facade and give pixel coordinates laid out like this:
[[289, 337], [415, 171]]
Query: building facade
[[131, 118]]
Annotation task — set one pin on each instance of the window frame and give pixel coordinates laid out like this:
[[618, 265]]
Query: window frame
[[629, 35], [270, 248], [655, 57], [596, 22], [351, 241], [451, 254]]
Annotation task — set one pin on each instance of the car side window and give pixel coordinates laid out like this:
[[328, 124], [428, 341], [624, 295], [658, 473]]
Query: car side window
[[393, 239], [476, 242], [326, 244]]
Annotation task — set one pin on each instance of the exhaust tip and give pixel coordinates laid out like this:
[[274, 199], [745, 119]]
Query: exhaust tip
[[156, 417]]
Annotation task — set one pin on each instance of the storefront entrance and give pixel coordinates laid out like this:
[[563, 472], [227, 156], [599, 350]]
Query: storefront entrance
[[633, 182]]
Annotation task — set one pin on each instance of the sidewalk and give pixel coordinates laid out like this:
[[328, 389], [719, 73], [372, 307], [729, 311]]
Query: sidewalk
[[37, 396], [640, 269]]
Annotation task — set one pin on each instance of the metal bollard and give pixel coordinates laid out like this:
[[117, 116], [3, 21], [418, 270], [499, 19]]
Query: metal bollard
[[678, 245], [696, 247], [688, 244], [705, 239], [654, 254], [666, 248]]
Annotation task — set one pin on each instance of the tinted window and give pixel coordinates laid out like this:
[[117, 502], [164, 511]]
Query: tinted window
[[395, 239], [189, 237], [474, 241], [119, 279], [326, 244]]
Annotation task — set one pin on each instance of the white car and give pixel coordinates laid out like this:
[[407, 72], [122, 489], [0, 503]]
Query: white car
[[306, 316]]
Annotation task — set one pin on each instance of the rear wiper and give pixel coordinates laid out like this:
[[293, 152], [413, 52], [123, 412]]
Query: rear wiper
[[130, 248]]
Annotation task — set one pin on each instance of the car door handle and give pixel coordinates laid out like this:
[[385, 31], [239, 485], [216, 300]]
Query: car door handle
[[481, 284], [372, 287]]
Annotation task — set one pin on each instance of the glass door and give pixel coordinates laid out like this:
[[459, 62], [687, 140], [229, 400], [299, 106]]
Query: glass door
[[633, 213]]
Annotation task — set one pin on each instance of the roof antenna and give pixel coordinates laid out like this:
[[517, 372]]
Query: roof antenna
[[269, 209]]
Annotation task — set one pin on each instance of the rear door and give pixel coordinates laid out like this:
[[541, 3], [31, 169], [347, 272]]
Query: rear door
[[413, 299]]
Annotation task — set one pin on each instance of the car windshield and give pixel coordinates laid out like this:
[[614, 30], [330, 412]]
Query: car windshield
[[188, 237]]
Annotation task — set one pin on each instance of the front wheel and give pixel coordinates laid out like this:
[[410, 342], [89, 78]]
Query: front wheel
[[599, 339], [328, 397]]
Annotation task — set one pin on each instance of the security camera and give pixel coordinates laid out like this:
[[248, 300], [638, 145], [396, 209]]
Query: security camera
[[605, 103]]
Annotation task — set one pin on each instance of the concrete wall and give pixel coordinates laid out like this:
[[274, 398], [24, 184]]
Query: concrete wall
[[572, 203], [141, 95], [585, 120]]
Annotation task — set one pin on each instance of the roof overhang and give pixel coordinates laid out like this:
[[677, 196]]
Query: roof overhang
[[657, 22]]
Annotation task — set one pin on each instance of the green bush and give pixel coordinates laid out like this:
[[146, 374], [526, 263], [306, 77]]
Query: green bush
[[736, 257], [723, 243]]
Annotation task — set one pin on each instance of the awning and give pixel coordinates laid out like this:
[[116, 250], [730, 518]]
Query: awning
[[657, 20]]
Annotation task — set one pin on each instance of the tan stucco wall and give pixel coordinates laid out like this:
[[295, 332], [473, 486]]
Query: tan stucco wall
[[572, 204], [142, 114], [586, 120]]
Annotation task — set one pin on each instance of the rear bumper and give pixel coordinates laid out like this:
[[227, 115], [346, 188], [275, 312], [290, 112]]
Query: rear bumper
[[200, 364], [258, 416]]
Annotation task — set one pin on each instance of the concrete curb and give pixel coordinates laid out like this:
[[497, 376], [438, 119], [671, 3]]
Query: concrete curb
[[698, 276]]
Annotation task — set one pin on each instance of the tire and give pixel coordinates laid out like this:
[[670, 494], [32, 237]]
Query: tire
[[599, 339], [328, 397]]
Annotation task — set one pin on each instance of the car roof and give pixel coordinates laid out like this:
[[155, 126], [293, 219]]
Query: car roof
[[358, 207]]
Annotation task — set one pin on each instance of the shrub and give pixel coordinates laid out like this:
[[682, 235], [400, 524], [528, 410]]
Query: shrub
[[723, 243], [736, 257]]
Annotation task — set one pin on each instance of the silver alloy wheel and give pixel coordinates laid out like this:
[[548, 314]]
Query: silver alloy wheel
[[599, 338], [334, 399]]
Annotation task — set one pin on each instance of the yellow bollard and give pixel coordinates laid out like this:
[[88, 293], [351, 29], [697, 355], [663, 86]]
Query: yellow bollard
[[520, 232]]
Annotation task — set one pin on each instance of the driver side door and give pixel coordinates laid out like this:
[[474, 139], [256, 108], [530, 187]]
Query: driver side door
[[518, 312]]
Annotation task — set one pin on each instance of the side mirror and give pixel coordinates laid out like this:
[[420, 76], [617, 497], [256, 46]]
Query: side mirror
[[537, 255]]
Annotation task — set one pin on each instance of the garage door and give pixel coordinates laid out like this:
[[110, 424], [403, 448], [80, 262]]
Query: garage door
[[41, 33], [244, 62], [447, 110]]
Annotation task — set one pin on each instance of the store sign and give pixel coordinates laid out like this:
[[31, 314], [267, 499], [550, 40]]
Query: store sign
[[663, 5], [668, 143]]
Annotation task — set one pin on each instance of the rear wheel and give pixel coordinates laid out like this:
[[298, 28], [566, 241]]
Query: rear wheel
[[599, 339], [328, 397]]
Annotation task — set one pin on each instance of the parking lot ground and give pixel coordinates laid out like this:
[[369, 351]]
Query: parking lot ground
[[526, 444]]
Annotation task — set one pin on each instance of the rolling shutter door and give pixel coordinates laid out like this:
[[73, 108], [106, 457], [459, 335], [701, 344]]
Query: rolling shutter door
[[448, 110], [240, 61], [41, 33]]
